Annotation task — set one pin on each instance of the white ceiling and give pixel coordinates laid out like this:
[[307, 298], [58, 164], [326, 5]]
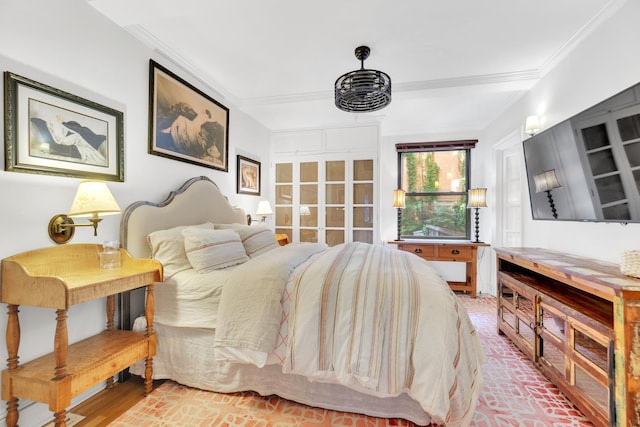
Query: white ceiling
[[455, 65]]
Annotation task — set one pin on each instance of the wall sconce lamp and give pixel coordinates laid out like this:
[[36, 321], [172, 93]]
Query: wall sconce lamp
[[92, 198], [547, 181], [477, 199], [304, 211], [532, 125], [399, 203], [264, 209]]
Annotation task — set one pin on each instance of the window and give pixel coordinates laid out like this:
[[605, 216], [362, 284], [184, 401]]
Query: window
[[435, 178]]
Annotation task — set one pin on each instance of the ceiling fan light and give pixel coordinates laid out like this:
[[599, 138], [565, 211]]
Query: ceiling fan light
[[362, 90]]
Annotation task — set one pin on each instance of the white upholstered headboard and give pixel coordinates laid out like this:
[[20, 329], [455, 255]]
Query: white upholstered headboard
[[198, 200]]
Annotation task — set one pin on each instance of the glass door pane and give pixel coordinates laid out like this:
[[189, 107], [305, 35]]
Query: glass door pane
[[284, 172], [309, 235], [363, 170], [283, 216], [308, 194], [363, 217], [284, 194], [309, 219], [334, 237], [629, 127], [309, 172], [334, 194], [334, 217], [363, 193], [335, 170]]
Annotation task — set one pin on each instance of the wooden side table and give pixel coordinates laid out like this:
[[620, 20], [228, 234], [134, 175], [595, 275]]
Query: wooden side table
[[466, 252], [282, 239], [59, 277]]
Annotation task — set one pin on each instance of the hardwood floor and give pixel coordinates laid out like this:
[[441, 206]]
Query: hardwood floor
[[107, 405]]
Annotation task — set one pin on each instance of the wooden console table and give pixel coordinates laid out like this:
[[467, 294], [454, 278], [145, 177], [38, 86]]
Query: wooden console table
[[59, 277], [466, 252], [578, 320]]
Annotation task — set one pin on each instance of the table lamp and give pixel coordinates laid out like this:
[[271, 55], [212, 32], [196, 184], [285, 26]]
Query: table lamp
[[399, 203], [477, 199]]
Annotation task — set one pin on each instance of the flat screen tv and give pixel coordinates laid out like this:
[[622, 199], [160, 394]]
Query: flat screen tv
[[587, 168]]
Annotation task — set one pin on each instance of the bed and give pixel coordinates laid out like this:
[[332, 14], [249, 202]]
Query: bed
[[356, 327]]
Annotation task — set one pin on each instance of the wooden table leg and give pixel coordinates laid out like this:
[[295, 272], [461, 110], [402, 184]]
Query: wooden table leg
[[472, 272], [111, 309], [13, 343], [60, 348], [149, 314]]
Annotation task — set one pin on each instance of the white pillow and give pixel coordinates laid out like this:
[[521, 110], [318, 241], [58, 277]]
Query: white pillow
[[209, 250], [167, 246], [256, 239]]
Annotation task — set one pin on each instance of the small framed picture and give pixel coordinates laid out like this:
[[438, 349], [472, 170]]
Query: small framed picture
[[49, 131], [186, 124], [248, 179]]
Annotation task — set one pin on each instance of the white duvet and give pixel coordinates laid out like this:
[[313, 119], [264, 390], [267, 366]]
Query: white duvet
[[189, 299], [369, 317]]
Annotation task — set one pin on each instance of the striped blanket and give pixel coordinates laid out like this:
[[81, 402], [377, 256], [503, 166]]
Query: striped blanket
[[382, 322], [365, 321]]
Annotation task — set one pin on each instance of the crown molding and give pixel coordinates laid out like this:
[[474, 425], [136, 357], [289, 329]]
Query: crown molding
[[170, 55], [605, 12]]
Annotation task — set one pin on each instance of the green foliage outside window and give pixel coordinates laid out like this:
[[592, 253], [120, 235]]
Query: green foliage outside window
[[436, 198]]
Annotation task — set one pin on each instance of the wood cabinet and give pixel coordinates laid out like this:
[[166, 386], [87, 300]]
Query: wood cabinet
[[466, 252], [578, 320], [329, 200], [57, 278]]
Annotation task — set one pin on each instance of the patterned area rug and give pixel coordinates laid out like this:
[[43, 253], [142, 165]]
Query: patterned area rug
[[514, 394]]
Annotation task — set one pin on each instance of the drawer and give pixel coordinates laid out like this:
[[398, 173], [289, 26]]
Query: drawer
[[458, 253], [423, 251]]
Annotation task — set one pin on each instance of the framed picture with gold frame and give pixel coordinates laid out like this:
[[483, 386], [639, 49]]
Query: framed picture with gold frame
[[186, 124], [248, 176], [53, 132]]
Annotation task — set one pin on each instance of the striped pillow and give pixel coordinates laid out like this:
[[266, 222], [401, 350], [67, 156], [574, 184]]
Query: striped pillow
[[167, 246], [256, 239], [209, 250]]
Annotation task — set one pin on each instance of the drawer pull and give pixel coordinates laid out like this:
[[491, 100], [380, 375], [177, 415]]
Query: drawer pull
[[455, 252], [417, 250]]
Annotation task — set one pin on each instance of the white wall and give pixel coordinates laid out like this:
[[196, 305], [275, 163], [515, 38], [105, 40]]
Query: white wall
[[601, 65], [68, 45]]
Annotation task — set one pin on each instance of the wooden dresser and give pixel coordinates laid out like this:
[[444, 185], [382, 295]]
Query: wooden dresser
[[59, 277], [466, 252], [578, 320]]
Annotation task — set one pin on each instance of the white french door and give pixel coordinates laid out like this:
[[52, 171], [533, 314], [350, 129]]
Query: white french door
[[329, 200]]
